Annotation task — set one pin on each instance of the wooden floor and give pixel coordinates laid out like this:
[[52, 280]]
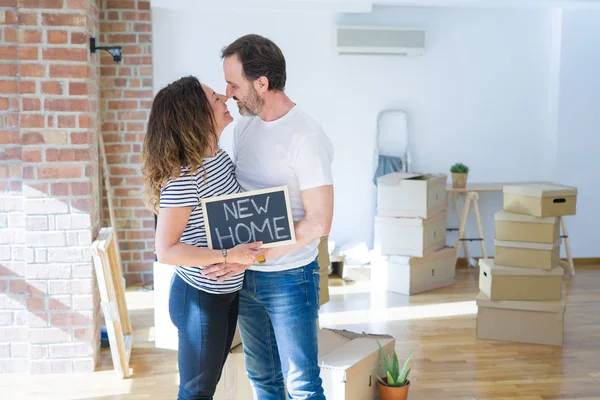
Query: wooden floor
[[448, 362]]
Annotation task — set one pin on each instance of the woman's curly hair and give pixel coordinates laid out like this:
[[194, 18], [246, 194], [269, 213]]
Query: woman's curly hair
[[181, 130]]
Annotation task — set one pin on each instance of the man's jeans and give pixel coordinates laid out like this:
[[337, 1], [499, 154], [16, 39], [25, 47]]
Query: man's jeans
[[278, 324]]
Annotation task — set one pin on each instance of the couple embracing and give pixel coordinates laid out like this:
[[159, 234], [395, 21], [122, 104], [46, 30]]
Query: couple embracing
[[274, 302]]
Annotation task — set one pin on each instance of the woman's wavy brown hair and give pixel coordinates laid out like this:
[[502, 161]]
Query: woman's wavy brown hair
[[181, 130]]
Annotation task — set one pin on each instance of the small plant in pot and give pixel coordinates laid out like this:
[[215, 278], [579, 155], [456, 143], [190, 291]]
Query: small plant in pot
[[459, 175], [395, 385]]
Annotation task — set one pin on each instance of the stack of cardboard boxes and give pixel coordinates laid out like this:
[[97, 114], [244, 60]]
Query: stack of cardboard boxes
[[521, 295], [410, 234]]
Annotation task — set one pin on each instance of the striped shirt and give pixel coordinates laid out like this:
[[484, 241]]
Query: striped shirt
[[186, 191]]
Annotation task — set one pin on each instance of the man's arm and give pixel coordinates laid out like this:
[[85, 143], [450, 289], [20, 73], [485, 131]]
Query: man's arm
[[318, 207]]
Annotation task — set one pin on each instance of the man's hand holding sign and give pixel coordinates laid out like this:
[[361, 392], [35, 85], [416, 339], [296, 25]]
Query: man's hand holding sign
[[256, 218]]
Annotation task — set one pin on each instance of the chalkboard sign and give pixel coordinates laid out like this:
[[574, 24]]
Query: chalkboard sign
[[259, 215]]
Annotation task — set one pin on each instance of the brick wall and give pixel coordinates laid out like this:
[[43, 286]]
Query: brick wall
[[126, 101], [50, 205]]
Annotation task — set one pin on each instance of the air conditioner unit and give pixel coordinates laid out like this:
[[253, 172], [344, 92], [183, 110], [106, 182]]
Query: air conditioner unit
[[357, 39]]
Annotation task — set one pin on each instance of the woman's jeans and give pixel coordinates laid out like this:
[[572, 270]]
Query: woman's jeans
[[206, 324]]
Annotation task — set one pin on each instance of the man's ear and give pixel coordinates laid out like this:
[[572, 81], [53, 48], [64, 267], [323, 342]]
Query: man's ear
[[261, 85]]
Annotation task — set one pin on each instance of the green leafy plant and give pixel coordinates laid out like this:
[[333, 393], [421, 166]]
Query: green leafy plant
[[396, 377], [459, 168]]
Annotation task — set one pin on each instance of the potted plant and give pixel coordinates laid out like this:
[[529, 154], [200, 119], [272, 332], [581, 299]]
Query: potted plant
[[459, 175], [395, 385]]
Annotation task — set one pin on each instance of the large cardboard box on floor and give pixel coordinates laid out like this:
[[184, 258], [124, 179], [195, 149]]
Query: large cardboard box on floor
[[525, 228], [540, 199], [413, 275], [402, 194], [527, 255], [418, 237], [165, 333], [514, 283], [534, 322], [350, 364], [323, 260]]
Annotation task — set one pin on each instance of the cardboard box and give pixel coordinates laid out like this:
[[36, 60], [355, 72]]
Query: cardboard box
[[525, 228], [350, 364], [412, 275], [165, 333], [415, 237], [402, 194], [527, 255], [535, 322], [540, 199], [513, 283]]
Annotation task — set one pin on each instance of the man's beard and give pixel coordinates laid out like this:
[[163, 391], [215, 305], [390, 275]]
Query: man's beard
[[252, 105]]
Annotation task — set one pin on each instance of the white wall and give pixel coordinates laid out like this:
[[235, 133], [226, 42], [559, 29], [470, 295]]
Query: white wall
[[480, 95], [578, 139]]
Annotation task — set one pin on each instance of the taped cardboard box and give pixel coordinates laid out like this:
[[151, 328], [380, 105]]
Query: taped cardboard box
[[402, 194], [527, 255], [415, 237], [540, 199], [413, 275], [513, 283], [534, 322], [350, 364], [525, 228]]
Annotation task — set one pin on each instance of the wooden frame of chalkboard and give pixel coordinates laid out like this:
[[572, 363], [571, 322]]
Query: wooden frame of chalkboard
[[288, 211]]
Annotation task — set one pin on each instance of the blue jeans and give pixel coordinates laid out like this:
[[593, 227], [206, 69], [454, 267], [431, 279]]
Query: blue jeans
[[206, 325], [278, 324]]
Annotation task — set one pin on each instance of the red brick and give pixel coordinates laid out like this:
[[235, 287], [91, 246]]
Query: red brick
[[66, 105], [63, 19], [144, 38], [26, 18], [122, 38], [30, 36], [78, 88], [81, 188], [63, 172], [132, 116], [138, 94], [57, 37], [10, 153], [69, 71], [31, 156], [66, 121], [142, 27], [68, 319], [28, 53], [8, 69], [9, 87], [35, 304], [82, 205], [18, 286], [140, 234], [79, 138], [65, 54], [26, 87], [32, 70], [41, 3], [78, 4], [59, 189], [32, 121], [32, 138], [113, 27], [32, 104], [120, 4], [84, 121], [29, 173], [78, 38], [10, 35], [136, 16], [3, 104], [51, 87], [108, 71], [64, 155], [84, 333], [143, 5], [122, 105], [12, 120]]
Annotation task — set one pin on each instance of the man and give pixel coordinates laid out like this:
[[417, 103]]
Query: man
[[279, 144]]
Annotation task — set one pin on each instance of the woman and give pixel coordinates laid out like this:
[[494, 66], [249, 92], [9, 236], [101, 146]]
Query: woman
[[181, 165]]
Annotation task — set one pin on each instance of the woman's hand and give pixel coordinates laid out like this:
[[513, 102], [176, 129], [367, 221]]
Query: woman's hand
[[245, 253], [223, 271]]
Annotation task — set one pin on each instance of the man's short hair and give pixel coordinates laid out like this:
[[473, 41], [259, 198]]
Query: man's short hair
[[259, 57]]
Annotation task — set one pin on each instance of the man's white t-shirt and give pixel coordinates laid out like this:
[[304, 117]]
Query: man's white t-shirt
[[291, 151]]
